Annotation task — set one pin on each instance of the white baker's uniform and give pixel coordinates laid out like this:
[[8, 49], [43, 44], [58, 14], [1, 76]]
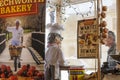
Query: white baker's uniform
[[16, 35], [54, 56]]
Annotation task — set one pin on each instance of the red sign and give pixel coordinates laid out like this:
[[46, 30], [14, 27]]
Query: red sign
[[14, 8]]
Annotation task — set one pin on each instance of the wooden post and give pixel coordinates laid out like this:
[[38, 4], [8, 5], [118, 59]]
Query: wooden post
[[118, 24], [98, 56]]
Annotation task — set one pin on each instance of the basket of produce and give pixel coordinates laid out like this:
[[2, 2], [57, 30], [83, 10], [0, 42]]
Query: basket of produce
[[15, 50], [13, 77], [28, 72], [5, 72]]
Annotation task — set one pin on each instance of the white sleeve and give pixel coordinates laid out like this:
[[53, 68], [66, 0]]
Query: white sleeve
[[10, 29], [61, 58]]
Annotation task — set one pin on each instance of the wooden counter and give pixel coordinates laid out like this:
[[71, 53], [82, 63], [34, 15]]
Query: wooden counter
[[64, 67], [111, 77]]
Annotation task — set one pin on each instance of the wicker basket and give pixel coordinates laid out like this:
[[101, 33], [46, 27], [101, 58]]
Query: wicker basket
[[24, 78], [15, 51], [30, 78], [19, 78]]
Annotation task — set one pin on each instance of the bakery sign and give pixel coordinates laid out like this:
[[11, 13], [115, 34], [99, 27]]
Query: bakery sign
[[87, 39], [18, 7]]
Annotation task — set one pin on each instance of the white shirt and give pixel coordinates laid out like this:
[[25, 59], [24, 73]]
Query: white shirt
[[54, 56], [16, 33]]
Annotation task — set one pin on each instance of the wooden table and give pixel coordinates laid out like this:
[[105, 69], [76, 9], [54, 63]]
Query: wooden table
[[64, 67]]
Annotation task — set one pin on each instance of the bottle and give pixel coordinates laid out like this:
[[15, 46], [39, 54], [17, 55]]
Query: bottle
[[76, 78]]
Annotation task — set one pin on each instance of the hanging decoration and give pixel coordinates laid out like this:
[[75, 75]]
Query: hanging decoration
[[75, 9], [67, 3], [103, 24]]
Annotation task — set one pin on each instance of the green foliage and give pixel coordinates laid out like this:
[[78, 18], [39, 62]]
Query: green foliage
[[9, 36], [27, 30]]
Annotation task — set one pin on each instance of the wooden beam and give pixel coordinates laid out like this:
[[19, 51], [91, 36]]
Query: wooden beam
[[58, 12]]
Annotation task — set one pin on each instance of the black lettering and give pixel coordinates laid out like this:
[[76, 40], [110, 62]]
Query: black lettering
[[88, 50]]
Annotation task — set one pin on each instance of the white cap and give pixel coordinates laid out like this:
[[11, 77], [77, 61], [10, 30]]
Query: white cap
[[55, 28], [17, 21]]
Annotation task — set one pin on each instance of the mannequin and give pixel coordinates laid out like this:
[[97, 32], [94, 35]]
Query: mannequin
[[54, 57]]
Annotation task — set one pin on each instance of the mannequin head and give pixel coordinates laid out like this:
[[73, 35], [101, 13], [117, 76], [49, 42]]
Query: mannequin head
[[54, 38]]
